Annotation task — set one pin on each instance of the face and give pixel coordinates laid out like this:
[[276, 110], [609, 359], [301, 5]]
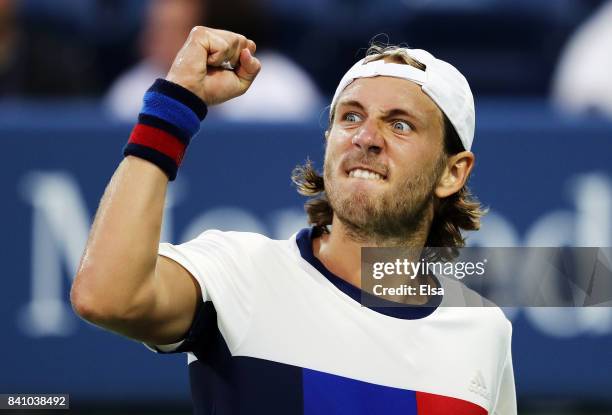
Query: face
[[384, 157]]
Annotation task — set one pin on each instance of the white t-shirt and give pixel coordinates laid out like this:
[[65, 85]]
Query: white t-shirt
[[279, 334]]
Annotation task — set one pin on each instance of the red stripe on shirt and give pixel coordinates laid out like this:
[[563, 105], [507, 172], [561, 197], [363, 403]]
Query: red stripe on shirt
[[430, 404]]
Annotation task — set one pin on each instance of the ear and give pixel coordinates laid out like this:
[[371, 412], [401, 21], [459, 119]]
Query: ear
[[456, 172]]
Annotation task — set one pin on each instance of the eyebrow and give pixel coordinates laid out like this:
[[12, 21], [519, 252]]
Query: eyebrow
[[351, 103], [396, 112]]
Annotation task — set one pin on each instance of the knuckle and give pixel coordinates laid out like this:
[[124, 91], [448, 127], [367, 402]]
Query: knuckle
[[198, 31]]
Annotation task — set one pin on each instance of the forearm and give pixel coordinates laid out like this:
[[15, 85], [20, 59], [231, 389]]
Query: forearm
[[116, 282], [121, 285], [115, 277]]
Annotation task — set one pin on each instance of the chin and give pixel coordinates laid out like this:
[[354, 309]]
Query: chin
[[358, 208]]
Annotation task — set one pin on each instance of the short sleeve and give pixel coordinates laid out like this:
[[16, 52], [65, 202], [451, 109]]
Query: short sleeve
[[506, 396], [220, 263]]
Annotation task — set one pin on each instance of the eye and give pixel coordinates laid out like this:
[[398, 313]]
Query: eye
[[401, 125], [352, 117]]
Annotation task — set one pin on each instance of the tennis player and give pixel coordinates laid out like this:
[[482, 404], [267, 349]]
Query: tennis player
[[276, 326]]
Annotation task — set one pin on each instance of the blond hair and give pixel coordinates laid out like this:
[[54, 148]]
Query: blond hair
[[452, 215]]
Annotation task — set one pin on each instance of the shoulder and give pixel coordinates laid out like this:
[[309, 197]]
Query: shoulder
[[229, 252], [494, 322], [243, 243], [476, 311], [236, 237]]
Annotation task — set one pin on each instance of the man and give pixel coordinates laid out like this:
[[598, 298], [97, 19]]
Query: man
[[276, 327]]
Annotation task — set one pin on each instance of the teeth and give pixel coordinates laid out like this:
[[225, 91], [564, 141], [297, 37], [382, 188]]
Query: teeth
[[365, 174]]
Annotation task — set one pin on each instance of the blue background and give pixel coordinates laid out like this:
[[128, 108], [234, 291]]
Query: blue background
[[531, 163]]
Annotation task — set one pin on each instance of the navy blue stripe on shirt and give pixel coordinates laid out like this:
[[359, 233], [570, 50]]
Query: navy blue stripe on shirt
[[405, 312]]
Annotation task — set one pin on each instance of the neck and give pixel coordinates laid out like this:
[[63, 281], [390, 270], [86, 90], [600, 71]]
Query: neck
[[340, 250]]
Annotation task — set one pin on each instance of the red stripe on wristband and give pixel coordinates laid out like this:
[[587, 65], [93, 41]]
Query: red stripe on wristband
[[159, 140]]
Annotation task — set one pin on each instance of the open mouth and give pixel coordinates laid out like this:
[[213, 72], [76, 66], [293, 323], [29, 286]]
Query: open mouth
[[362, 173]]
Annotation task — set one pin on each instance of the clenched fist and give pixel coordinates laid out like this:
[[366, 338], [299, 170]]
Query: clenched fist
[[197, 65]]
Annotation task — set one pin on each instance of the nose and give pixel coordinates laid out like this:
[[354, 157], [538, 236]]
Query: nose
[[368, 138]]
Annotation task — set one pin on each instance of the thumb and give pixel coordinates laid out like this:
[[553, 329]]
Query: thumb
[[249, 67]]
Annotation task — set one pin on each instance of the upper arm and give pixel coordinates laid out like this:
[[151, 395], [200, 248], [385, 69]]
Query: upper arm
[[175, 296], [215, 267]]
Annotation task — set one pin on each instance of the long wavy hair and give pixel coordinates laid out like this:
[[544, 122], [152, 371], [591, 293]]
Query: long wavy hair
[[456, 213]]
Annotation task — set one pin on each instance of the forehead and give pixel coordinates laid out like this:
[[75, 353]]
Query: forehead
[[385, 93]]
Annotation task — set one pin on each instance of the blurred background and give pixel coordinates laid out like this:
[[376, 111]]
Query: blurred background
[[72, 74]]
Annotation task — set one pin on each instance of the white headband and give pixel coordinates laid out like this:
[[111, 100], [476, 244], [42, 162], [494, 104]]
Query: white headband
[[441, 81]]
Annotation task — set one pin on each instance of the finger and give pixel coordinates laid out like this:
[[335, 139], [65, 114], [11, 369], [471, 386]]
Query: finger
[[219, 50], [249, 67], [226, 47], [237, 42], [214, 46], [251, 46]]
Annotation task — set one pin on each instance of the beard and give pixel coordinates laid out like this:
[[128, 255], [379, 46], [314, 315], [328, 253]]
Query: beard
[[393, 217]]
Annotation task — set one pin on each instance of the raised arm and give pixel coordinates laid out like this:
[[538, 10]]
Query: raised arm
[[122, 284]]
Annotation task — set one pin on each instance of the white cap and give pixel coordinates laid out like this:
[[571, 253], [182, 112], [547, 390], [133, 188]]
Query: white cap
[[441, 81]]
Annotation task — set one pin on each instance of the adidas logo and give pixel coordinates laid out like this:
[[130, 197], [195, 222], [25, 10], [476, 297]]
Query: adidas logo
[[479, 387]]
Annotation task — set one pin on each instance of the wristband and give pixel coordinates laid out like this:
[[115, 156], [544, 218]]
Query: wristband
[[169, 118]]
